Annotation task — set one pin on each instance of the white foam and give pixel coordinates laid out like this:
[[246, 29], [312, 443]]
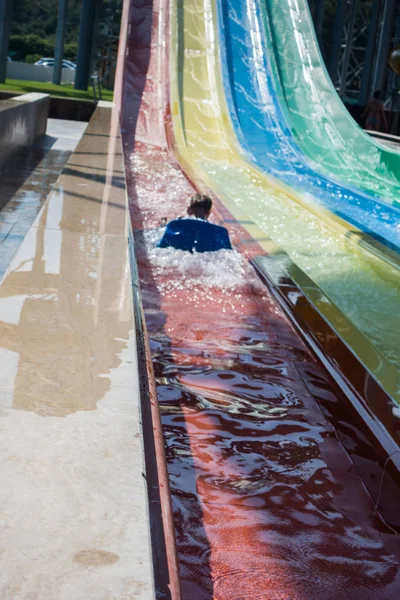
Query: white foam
[[225, 269]]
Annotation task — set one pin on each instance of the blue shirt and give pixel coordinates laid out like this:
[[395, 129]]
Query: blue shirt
[[195, 235]]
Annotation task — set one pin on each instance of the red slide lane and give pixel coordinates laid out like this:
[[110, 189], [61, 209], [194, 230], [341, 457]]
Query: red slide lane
[[267, 503]]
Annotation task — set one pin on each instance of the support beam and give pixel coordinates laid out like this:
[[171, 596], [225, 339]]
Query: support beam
[[5, 24], [370, 53], [392, 87], [337, 39], [349, 47], [86, 41], [60, 37], [385, 40]]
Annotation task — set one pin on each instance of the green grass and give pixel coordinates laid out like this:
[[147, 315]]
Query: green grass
[[63, 91]]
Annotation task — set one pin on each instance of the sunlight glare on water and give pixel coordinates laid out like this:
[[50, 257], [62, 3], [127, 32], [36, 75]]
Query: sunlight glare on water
[[366, 291]]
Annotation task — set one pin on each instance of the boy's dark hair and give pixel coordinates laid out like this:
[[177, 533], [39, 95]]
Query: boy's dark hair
[[200, 202], [377, 94]]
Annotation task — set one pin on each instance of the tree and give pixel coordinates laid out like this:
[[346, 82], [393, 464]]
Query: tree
[[34, 24]]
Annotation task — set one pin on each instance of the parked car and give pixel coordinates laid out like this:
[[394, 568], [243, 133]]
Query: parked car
[[68, 64], [49, 62]]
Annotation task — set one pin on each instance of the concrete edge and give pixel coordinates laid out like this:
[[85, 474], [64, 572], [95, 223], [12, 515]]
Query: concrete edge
[[31, 97], [165, 559], [22, 121]]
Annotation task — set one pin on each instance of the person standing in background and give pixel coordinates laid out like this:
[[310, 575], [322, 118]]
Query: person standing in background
[[375, 114]]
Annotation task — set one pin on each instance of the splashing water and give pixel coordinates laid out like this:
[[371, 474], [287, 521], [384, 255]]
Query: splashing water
[[225, 269], [175, 270]]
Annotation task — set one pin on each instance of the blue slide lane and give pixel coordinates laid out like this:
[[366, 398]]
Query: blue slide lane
[[250, 80]]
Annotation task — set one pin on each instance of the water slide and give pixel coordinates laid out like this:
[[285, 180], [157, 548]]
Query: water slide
[[261, 119], [364, 287], [323, 127], [268, 474]]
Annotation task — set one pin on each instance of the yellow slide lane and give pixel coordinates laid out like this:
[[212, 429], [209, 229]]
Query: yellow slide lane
[[359, 284]]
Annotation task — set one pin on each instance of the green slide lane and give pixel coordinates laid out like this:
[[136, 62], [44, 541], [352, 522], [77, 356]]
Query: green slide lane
[[326, 132]]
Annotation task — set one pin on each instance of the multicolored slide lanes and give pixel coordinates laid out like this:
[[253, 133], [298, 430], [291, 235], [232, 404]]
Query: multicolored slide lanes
[[278, 396]]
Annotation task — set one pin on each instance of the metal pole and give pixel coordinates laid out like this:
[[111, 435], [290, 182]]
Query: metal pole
[[60, 37], [393, 84], [85, 46], [337, 39], [349, 47], [5, 24], [385, 39], [370, 53]]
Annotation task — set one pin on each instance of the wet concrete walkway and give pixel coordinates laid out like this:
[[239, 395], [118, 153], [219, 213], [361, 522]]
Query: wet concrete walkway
[[73, 498], [28, 181]]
